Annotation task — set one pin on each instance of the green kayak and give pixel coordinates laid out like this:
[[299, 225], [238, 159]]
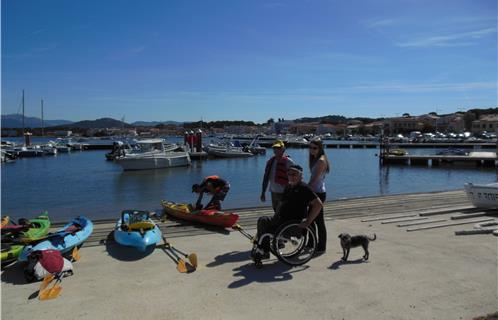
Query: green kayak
[[15, 237]]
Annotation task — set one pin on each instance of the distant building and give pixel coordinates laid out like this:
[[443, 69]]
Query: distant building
[[451, 123], [403, 124], [242, 129], [303, 128], [282, 127], [487, 123], [374, 127]]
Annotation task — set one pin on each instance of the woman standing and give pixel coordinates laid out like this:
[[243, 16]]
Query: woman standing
[[319, 167]]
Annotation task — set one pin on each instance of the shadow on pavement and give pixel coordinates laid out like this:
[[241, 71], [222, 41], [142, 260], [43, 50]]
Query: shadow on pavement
[[124, 253], [14, 274], [230, 257], [274, 272], [336, 265]]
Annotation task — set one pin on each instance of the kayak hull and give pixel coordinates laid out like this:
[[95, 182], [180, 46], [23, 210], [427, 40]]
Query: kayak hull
[[42, 225], [61, 240], [13, 243], [11, 253], [142, 236], [210, 217]]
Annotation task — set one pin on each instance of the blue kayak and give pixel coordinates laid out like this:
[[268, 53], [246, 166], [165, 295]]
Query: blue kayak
[[71, 235], [136, 229]]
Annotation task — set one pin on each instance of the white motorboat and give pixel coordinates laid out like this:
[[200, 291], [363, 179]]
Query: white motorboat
[[227, 151], [299, 142], [151, 154], [483, 195], [60, 145], [33, 151], [49, 149]]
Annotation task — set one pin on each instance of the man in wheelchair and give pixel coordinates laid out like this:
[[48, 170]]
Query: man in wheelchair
[[299, 202]]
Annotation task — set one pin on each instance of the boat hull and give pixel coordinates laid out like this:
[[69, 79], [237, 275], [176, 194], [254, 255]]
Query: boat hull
[[10, 252], [220, 153], [180, 159], [62, 241], [137, 239], [483, 195], [210, 217]]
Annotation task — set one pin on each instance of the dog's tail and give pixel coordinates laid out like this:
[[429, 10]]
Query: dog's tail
[[374, 237]]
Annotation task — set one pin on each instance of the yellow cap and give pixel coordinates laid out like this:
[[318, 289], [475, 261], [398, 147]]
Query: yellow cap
[[278, 144]]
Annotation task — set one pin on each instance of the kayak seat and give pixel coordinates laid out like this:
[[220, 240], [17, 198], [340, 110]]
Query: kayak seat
[[72, 229], [142, 225], [23, 222]]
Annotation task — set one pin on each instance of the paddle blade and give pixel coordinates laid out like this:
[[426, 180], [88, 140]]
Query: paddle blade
[[46, 281], [193, 260], [76, 254], [181, 267], [236, 227], [51, 293]]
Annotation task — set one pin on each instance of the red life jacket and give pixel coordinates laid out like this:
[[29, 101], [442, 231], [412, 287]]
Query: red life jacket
[[218, 183], [281, 172]]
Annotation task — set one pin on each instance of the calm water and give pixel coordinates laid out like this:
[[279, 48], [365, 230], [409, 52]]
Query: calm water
[[83, 183]]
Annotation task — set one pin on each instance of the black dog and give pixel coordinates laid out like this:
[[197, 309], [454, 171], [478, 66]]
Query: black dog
[[348, 242]]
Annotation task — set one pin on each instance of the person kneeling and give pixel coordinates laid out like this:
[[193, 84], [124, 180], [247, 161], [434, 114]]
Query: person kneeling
[[215, 186], [298, 202]]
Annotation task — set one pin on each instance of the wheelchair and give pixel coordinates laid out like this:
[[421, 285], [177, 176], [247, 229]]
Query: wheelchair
[[291, 245]]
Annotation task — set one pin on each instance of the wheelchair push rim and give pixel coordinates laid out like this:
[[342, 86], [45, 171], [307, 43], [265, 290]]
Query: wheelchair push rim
[[293, 245]]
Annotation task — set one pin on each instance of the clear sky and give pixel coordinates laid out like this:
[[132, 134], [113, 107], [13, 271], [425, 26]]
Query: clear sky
[[184, 60]]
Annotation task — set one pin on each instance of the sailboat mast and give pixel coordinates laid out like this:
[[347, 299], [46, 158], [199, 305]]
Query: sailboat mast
[[43, 127], [23, 111]]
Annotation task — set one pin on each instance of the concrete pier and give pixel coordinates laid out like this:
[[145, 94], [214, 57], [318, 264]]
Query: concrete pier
[[429, 274]]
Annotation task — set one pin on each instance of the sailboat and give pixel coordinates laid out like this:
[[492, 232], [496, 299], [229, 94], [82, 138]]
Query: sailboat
[[27, 150]]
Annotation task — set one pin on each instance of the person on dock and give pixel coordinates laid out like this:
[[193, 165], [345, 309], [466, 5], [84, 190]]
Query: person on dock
[[215, 186], [319, 166], [276, 174], [298, 202]]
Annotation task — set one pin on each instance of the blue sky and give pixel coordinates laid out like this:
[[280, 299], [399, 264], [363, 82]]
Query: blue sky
[[247, 60]]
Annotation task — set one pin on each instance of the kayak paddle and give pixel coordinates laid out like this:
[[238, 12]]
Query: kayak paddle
[[52, 292], [192, 258], [75, 255], [181, 265], [243, 232]]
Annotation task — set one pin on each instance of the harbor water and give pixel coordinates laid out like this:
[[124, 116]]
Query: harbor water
[[84, 183]]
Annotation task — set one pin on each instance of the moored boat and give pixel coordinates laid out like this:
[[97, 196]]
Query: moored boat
[[227, 151], [483, 195], [136, 229], [398, 152], [71, 235], [212, 217], [153, 155]]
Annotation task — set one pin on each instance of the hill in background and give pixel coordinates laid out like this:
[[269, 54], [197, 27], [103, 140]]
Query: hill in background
[[15, 121]]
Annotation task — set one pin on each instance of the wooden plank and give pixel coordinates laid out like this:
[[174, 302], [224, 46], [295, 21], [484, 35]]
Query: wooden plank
[[448, 224], [473, 231], [403, 220], [393, 217], [420, 222], [468, 215], [432, 213]]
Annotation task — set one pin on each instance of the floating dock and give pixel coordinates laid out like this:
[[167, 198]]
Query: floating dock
[[439, 160]]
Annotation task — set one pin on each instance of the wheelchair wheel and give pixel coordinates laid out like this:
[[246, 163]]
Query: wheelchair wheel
[[293, 245]]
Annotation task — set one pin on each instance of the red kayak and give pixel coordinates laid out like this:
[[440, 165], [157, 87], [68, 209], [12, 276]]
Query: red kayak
[[211, 217]]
